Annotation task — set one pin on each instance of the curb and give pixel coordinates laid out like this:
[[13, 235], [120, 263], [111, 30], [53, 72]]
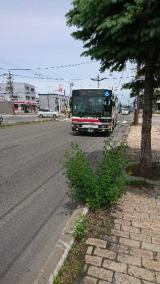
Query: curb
[[57, 257]]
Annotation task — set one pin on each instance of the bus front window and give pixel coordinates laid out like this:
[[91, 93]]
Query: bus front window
[[94, 106]]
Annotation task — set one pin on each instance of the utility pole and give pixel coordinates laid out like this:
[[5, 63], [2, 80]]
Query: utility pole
[[136, 102], [48, 101], [98, 79], [10, 89]]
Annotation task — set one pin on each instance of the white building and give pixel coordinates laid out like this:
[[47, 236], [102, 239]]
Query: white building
[[23, 97], [55, 101]]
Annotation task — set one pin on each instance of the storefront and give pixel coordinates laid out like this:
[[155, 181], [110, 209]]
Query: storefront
[[25, 106]]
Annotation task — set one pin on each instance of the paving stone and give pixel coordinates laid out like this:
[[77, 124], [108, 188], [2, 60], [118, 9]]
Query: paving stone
[[141, 253], [151, 264], [105, 253], [158, 277], [115, 266], [141, 273], [156, 240], [117, 226], [123, 222], [140, 237], [89, 250], [156, 226], [89, 280], [100, 273], [141, 225], [129, 242], [112, 239], [119, 248], [145, 217], [129, 259], [120, 233], [130, 229], [152, 247], [94, 260], [150, 232], [147, 282], [154, 217], [157, 257], [104, 282], [125, 279], [96, 242]]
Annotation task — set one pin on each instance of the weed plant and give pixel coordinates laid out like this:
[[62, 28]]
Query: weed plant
[[80, 227], [96, 189]]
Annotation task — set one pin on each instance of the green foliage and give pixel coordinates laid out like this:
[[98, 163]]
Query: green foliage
[[79, 174], [56, 281], [116, 31], [80, 227], [96, 189]]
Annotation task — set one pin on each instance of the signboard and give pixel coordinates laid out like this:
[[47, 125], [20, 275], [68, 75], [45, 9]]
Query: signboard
[[106, 93], [92, 92]]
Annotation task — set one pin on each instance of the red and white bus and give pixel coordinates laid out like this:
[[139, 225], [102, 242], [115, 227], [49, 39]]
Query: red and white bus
[[93, 110]]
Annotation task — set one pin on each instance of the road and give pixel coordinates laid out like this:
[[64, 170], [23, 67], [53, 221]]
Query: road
[[34, 206]]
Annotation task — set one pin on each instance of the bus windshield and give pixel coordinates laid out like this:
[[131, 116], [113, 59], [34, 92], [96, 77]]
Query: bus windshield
[[94, 106]]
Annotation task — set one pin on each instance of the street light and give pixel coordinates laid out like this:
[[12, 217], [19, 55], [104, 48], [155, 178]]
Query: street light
[[98, 79]]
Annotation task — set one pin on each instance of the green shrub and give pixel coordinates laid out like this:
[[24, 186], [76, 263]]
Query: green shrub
[[96, 189], [79, 173]]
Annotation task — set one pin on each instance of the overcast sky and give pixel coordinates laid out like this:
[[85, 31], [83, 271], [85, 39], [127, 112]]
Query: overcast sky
[[34, 34]]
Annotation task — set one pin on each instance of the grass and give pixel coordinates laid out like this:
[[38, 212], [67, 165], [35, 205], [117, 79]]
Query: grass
[[20, 123], [73, 264], [156, 112]]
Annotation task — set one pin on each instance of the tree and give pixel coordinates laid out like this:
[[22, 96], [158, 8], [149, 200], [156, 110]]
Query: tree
[[117, 31]]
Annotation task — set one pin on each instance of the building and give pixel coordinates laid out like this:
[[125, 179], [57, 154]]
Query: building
[[23, 96], [55, 101]]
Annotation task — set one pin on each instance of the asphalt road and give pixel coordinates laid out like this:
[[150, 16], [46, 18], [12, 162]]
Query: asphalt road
[[34, 206]]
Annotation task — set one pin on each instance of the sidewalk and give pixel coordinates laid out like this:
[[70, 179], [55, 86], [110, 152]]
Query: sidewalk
[[131, 253]]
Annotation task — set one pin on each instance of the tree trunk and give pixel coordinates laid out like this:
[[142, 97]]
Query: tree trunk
[[146, 152]]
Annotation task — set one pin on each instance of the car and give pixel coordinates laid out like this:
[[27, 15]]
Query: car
[[125, 111], [47, 112], [1, 118]]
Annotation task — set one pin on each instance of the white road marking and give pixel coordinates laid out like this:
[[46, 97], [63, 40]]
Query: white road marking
[[124, 121]]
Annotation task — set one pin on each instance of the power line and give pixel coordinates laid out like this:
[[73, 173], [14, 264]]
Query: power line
[[46, 68]]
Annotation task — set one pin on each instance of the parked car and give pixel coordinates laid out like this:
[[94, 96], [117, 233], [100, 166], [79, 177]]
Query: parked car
[[125, 111], [1, 118], [46, 112]]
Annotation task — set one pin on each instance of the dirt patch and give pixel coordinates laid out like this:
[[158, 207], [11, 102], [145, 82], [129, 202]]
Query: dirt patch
[[152, 173]]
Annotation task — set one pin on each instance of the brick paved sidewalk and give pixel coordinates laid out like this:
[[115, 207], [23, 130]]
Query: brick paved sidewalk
[[131, 254]]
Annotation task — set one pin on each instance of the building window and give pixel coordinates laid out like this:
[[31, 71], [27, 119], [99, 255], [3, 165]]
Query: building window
[[27, 97], [33, 98], [32, 90]]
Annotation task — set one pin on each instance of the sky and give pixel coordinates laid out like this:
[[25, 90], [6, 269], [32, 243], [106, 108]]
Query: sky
[[34, 35]]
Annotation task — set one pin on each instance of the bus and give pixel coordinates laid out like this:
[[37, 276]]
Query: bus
[[93, 110]]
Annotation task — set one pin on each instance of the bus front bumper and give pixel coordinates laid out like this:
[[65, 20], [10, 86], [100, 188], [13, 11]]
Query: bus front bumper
[[92, 128]]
